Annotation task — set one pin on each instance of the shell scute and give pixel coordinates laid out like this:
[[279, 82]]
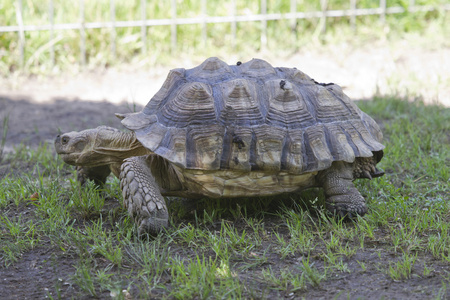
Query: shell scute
[[175, 77], [211, 70], [329, 107], [320, 156], [257, 68], [204, 147], [151, 136], [173, 147], [287, 108], [240, 103], [296, 75], [268, 148], [192, 105], [294, 153], [236, 148], [366, 136], [360, 147], [341, 149]]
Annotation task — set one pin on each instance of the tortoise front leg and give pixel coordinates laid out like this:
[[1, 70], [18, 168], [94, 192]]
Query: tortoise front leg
[[342, 197], [142, 196]]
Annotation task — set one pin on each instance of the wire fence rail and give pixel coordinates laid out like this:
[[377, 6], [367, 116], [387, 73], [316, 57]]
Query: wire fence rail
[[144, 23]]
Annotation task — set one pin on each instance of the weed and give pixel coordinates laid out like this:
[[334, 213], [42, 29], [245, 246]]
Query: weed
[[439, 244], [239, 242], [111, 252], [152, 258], [255, 259], [284, 247], [362, 265], [83, 277], [403, 268], [442, 292], [426, 270], [187, 233], [87, 200], [365, 229], [313, 276], [285, 280], [16, 237], [203, 278], [219, 245], [301, 236]]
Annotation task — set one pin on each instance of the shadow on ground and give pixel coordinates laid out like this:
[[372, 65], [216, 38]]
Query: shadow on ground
[[32, 123]]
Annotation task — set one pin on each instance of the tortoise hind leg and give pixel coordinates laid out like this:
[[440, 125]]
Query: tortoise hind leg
[[342, 197], [142, 197]]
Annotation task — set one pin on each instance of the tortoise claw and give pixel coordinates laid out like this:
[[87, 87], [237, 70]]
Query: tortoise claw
[[377, 173], [366, 175]]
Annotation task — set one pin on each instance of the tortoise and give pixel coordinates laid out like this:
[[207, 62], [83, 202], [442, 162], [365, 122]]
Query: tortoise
[[223, 131]]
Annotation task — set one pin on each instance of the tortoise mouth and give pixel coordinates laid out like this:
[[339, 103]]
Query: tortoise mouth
[[69, 158]]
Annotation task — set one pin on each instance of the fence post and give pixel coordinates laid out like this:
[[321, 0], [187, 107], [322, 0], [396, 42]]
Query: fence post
[[233, 23], [323, 18], [353, 14], [113, 28], [383, 11], [52, 23], [174, 25], [143, 27], [263, 23], [204, 33], [19, 18], [412, 3], [294, 22], [293, 11], [82, 35]]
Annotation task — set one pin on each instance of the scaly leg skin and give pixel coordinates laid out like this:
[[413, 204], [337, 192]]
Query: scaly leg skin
[[97, 174], [342, 197], [142, 197]]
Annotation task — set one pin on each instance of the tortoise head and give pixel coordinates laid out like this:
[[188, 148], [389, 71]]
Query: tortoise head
[[95, 147]]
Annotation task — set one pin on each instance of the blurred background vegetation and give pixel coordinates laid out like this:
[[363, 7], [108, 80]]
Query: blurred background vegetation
[[283, 36]]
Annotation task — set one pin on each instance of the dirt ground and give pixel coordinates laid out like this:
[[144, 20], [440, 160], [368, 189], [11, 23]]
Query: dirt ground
[[40, 107]]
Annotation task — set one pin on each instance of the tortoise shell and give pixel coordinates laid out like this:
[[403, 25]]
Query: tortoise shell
[[253, 117]]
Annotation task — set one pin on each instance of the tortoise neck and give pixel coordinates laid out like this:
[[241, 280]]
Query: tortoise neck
[[117, 146]]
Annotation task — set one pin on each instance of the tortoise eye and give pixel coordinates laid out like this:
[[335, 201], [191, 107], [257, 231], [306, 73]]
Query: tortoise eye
[[65, 140]]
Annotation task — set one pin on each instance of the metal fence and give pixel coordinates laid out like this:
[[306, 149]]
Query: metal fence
[[382, 10]]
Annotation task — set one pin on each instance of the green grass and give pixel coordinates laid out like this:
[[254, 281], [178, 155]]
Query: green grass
[[244, 248], [282, 37]]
